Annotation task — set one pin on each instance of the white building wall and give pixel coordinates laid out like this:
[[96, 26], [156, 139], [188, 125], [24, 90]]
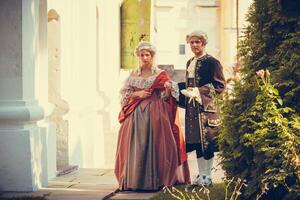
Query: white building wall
[[111, 77], [90, 85], [174, 19], [90, 77], [229, 31], [90, 63]]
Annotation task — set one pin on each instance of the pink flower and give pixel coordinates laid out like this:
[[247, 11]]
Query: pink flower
[[260, 73]]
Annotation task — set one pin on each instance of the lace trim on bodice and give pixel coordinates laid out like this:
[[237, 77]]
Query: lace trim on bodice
[[133, 82], [141, 83]]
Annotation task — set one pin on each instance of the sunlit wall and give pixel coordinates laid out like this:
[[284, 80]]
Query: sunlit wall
[[89, 74], [89, 77]]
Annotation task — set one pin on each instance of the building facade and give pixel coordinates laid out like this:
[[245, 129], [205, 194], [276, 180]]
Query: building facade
[[60, 76]]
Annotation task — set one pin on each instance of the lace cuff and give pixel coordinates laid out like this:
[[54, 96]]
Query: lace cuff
[[126, 92], [175, 90]]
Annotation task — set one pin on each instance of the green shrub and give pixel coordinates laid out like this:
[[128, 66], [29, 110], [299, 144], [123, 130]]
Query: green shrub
[[259, 140], [262, 144], [272, 39]]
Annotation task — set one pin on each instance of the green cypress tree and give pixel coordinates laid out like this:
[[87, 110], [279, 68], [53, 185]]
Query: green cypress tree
[[260, 137], [272, 40]]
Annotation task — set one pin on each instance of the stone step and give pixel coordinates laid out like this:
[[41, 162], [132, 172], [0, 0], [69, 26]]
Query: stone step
[[133, 195]]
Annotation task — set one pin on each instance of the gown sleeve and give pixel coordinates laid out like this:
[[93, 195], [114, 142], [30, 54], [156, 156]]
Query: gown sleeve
[[125, 93]]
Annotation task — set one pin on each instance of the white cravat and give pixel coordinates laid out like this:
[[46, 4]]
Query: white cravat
[[192, 66]]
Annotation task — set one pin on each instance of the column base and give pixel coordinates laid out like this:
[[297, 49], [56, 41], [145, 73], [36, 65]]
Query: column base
[[23, 159]]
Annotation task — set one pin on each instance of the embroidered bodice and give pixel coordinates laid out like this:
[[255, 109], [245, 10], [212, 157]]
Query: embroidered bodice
[[133, 83]]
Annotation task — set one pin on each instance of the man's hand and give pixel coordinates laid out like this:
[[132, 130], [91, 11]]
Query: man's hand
[[189, 89], [193, 94]]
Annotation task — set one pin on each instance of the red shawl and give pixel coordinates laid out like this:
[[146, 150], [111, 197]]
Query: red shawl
[[132, 104]]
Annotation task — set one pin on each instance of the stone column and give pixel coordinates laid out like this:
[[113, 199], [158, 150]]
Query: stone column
[[23, 155]]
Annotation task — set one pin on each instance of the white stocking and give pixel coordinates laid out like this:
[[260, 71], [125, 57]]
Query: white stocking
[[205, 166]]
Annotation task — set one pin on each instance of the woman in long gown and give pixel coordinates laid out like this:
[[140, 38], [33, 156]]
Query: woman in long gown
[[150, 151]]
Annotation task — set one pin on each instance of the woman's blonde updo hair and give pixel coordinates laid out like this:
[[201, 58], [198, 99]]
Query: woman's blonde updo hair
[[145, 45]]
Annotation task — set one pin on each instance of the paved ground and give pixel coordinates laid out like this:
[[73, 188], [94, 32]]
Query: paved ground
[[84, 184], [93, 184]]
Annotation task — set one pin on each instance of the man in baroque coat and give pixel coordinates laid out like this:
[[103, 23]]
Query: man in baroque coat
[[204, 81]]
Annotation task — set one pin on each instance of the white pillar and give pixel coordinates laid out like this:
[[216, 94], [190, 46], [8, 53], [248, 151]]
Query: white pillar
[[42, 88], [23, 153], [110, 77]]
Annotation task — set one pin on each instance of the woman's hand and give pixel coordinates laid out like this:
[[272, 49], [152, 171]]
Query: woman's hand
[[141, 94], [168, 88], [168, 85]]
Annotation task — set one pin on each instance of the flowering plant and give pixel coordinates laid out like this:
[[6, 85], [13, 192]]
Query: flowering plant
[[260, 140], [274, 140], [267, 88]]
